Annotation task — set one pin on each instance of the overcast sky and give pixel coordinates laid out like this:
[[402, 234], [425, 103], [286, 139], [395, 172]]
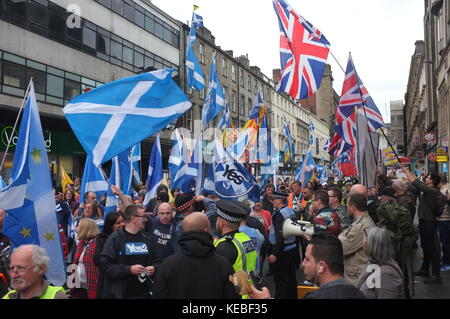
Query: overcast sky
[[379, 33]]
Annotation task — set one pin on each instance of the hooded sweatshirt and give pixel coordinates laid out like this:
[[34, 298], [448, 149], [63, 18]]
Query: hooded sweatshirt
[[195, 272]]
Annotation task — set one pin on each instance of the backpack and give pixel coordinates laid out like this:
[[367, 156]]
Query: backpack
[[440, 204]]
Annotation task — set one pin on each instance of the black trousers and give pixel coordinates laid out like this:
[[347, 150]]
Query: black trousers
[[284, 274], [430, 246]]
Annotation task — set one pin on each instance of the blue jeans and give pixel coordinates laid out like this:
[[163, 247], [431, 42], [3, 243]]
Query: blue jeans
[[444, 236]]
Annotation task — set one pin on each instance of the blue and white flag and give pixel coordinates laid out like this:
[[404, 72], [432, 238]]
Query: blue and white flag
[[257, 108], [115, 116], [224, 121], [31, 219], [263, 142], [136, 161], [311, 140], [231, 180], [197, 20], [306, 172], [93, 180], [155, 171], [2, 183], [194, 76], [120, 176], [311, 126], [112, 201], [241, 143], [177, 157], [215, 101], [190, 174]]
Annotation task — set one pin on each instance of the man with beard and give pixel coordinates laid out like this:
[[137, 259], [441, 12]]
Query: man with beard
[[29, 263]]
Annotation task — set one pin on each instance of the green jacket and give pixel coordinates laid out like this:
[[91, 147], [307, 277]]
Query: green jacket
[[396, 219], [427, 201]]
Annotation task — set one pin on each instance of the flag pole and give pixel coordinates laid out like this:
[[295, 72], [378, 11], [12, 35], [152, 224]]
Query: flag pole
[[27, 91]]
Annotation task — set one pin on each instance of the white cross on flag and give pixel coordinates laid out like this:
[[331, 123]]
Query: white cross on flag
[[119, 114]]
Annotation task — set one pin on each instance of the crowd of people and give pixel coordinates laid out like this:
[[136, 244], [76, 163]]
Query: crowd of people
[[185, 246]]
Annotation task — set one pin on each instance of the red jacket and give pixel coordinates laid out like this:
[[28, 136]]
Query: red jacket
[[92, 272]]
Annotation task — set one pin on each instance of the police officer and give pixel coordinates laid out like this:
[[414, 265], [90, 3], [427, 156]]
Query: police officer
[[236, 246], [284, 251]]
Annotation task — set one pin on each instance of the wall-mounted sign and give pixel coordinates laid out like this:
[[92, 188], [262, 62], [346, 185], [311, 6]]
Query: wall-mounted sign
[[430, 137], [432, 157], [442, 158]]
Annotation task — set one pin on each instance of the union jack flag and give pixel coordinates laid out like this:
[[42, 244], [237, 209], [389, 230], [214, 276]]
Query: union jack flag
[[355, 95], [303, 53], [337, 146]]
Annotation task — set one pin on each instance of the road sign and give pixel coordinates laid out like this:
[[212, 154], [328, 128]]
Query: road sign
[[430, 137], [441, 151], [432, 157], [442, 158]]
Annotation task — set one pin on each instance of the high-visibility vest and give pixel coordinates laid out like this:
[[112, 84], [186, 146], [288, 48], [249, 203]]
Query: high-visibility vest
[[289, 242], [246, 250], [50, 293]]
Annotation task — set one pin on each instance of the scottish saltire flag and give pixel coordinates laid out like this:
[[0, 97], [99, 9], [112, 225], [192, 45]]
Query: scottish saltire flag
[[231, 180], [306, 172], [224, 121], [311, 140], [197, 20], [136, 160], [215, 101], [242, 141], [194, 76], [323, 176], [126, 171], [303, 53], [263, 142], [112, 200], [155, 171], [189, 175], [2, 183], [270, 168], [29, 200], [311, 126], [258, 109], [289, 149], [177, 157], [144, 104], [93, 180]]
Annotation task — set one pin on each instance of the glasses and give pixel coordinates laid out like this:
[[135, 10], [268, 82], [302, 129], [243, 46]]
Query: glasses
[[18, 269]]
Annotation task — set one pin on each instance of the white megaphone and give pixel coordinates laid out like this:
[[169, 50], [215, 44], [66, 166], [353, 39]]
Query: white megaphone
[[291, 228]]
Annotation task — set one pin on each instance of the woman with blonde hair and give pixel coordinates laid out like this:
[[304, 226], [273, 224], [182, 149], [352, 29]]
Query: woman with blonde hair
[[87, 271]]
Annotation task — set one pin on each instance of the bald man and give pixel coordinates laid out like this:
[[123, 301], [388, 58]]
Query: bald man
[[27, 268], [196, 271], [159, 229], [372, 199]]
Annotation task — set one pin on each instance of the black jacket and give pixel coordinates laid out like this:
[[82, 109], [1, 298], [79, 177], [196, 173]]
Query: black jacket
[[195, 272], [113, 266], [339, 289]]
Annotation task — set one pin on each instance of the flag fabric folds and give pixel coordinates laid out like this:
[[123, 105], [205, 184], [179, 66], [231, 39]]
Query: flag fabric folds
[[2, 183], [144, 104], [93, 180], [135, 160], [230, 179], [155, 171], [177, 157], [215, 101], [31, 219], [194, 73], [303, 53], [306, 172], [65, 179], [289, 148]]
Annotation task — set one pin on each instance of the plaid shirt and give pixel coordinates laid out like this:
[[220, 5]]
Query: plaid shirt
[[92, 272]]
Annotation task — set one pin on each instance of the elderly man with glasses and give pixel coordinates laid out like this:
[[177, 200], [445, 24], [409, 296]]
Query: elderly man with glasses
[[29, 263]]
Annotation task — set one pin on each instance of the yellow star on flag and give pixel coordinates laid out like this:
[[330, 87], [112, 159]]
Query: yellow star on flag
[[37, 157], [25, 232], [49, 236]]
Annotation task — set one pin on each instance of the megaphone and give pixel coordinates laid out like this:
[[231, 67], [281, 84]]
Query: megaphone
[[292, 228]]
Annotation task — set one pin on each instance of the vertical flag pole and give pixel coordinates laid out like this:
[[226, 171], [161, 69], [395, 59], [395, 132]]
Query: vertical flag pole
[[15, 124]]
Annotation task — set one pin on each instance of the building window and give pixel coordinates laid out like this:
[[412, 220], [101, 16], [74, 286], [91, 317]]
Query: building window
[[56, 22], [202, 53], [128, 10], [38, 14], [139, 18], [242, 106], [233, 101], [116, 50], [55, 85], [224, 67], [14, 75], [39, 80], [159, 30], [127, 55], [241, 77], [89, 37], [233, 73], [149, 24], [117, 6], [71, 89], [249, 83]]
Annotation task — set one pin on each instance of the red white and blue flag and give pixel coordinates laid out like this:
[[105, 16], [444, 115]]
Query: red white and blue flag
[[303, 53], [355, 95]]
